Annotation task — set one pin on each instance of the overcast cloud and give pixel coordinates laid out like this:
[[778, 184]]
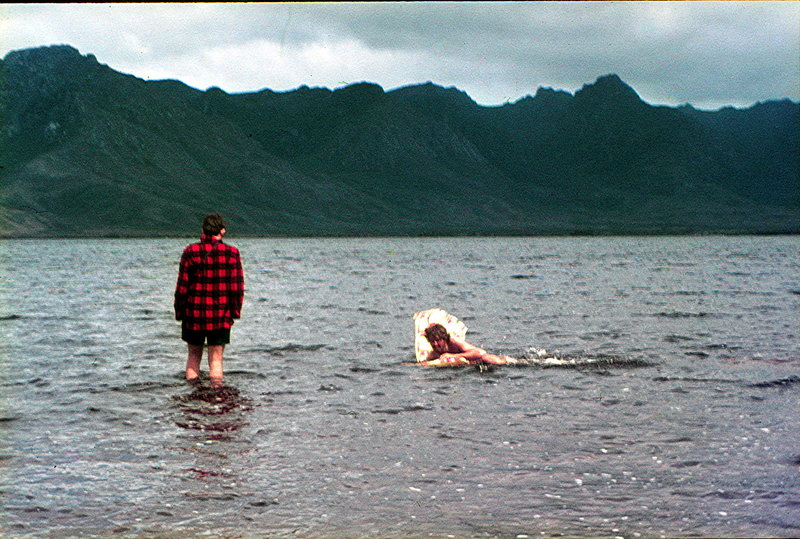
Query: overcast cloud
[[709, 54]]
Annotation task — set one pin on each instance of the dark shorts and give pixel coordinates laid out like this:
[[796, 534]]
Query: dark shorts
[[217, 337]]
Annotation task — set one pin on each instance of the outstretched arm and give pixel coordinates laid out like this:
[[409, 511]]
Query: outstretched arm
[[449, 361], [472, 353], [465, 350]]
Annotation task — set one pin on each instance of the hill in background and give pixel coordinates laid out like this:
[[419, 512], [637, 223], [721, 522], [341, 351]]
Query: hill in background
[[88, 151]]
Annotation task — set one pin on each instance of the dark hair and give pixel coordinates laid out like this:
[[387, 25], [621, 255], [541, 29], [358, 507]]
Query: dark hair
[[435, 332], [213, 224]]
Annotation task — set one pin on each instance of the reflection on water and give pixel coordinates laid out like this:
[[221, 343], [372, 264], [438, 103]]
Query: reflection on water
[[214, 410], [212, 446]]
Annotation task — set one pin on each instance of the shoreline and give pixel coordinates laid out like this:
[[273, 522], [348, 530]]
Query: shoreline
[[179, 236]]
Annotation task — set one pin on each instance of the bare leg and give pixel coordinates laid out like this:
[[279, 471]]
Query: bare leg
[[215, 363], [193, 361]]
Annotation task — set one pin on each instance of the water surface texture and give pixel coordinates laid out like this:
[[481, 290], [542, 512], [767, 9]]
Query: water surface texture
[[677, 416]]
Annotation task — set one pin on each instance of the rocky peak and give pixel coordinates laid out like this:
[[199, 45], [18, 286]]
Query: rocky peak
[[608, 89], [432, 93], [47, 58], [44, 69]]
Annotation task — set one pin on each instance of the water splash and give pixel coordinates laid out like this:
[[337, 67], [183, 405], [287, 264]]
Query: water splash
[[540, 357]]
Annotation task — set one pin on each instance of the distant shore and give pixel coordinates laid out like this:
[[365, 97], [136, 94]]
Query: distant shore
[[576, 234]]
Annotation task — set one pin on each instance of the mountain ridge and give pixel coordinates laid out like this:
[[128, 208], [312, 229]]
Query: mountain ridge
[[89, 151]]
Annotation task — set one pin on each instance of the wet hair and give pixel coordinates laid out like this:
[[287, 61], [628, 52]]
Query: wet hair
[[213, 224], [435, 332]]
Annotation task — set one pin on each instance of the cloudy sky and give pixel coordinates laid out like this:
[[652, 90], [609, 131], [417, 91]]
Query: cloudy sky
[[709, 54]]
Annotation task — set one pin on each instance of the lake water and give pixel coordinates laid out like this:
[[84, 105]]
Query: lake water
[[677, 414]]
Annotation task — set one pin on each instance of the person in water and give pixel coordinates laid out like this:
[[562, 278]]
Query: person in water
[[208, 297], [452, 351]]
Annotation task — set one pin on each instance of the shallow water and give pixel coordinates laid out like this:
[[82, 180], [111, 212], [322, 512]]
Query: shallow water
[[677, 416]]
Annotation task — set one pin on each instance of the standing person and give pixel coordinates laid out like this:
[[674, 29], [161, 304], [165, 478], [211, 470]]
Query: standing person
[[208, 297]]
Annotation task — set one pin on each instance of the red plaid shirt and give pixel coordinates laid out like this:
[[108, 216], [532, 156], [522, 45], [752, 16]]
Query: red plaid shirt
[[210, 288]]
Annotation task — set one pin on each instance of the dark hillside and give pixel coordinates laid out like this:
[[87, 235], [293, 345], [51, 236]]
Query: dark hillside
[[90, 151]]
